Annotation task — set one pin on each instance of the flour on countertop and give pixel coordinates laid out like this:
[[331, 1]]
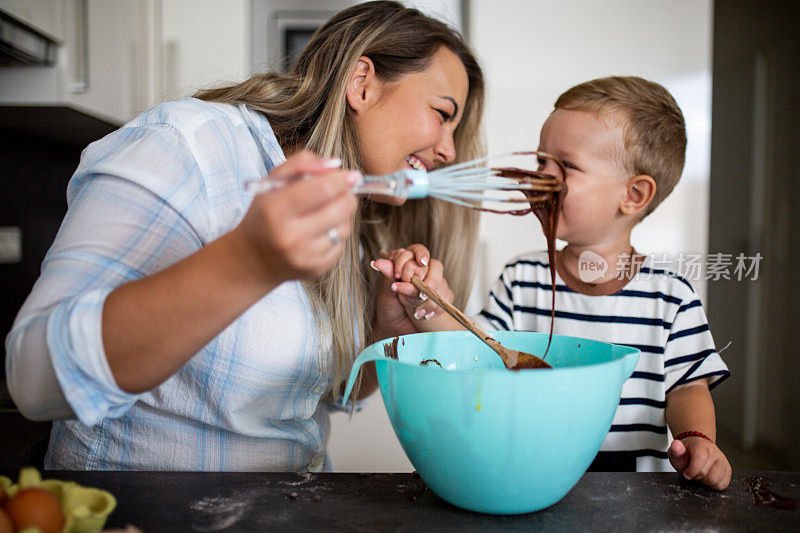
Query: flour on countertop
[[217, 513], [305, 478]]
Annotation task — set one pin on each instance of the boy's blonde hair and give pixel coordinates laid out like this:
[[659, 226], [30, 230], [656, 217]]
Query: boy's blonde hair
[[654, 131]]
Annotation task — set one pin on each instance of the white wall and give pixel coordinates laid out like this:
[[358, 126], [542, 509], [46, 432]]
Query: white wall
[[206, 43], [531, 52]]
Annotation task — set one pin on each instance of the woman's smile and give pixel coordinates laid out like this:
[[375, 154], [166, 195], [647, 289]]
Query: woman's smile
[[417, 163]]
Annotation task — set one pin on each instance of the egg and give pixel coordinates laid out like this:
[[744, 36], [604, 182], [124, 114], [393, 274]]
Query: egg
[[35, 507], [5, 523]]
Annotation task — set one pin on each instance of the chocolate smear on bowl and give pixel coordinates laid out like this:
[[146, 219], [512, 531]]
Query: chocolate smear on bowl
[[390, 348]]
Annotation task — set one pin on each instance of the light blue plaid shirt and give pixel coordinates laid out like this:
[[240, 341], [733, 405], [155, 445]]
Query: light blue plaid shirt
[[143, 198]]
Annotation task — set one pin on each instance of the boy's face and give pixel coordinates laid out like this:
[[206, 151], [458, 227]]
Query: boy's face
[[591, 150]]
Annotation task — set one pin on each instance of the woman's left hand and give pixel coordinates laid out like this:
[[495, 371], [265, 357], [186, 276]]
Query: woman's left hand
[[391, 318], [396, 288]]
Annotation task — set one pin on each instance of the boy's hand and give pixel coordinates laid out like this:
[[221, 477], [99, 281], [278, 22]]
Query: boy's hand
[[700, 459], [404, 263]]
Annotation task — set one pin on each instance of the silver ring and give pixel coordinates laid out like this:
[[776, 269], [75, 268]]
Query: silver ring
[[333, 235]]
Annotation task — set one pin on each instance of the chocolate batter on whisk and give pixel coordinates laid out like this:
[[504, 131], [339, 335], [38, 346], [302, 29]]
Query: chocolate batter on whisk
[[545, 202]]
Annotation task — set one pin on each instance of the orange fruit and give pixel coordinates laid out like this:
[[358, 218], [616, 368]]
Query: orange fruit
[[6, 526], [35, 507]]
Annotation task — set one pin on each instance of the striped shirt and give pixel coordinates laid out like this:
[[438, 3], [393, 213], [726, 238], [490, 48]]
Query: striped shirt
[[142, 198], [657, 312]]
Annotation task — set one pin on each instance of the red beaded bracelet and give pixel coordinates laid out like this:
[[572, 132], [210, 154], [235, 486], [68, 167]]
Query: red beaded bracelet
[[693, 434]]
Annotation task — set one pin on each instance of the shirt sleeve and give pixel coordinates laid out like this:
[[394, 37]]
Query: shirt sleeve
[[689, 353], [135, 207], [497, 314]]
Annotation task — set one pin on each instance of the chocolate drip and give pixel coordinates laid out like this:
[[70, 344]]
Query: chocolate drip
[[546, 205]]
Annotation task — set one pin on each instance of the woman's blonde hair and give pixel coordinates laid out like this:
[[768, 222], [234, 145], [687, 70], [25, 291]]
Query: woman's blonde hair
[[307, 109]]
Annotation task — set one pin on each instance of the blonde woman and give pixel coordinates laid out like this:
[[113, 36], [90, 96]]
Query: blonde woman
[[182, 323]]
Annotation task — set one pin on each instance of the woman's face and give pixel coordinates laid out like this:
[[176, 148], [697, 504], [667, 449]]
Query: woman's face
[[408, 123]]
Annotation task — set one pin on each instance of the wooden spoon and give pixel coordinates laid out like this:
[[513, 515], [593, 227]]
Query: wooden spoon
[[513, 359]]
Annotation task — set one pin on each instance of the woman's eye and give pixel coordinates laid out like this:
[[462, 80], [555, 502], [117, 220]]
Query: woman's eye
[[445, 115]]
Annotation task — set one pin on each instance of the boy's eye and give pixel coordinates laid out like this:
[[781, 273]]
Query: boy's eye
[[567, 164]]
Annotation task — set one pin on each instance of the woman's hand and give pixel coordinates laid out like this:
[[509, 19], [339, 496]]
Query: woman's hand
[[391, 318], [398, 269], [153, 325], [404, 263], [297, 231]]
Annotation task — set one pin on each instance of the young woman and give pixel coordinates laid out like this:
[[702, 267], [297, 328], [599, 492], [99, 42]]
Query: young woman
[[182, 323]]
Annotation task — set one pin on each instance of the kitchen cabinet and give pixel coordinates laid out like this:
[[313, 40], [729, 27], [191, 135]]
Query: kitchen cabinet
[[101, 66], [119, 77], [44, 15], [117, 58]]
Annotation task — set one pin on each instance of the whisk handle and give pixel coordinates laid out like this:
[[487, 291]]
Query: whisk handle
[[418, 183], [407, 183], [404, 184]]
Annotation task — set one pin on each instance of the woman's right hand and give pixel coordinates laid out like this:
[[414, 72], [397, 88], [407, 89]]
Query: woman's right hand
[[153, 325], [287, 232]]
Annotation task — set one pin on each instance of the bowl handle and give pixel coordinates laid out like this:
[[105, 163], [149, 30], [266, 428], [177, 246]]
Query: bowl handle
[[631, 358], [365, 357]]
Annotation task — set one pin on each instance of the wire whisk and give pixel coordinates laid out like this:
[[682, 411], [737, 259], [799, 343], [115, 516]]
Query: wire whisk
[[468, 184]]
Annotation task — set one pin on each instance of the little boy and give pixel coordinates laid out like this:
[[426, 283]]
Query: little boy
[[622, 141]]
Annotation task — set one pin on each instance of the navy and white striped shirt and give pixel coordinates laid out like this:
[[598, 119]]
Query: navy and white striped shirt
[[657, 311]]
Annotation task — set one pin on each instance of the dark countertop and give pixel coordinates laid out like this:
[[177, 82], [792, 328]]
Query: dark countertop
[[244, 501]]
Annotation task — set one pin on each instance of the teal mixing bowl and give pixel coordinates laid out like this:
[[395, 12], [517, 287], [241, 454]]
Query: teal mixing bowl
[[494, 441]]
